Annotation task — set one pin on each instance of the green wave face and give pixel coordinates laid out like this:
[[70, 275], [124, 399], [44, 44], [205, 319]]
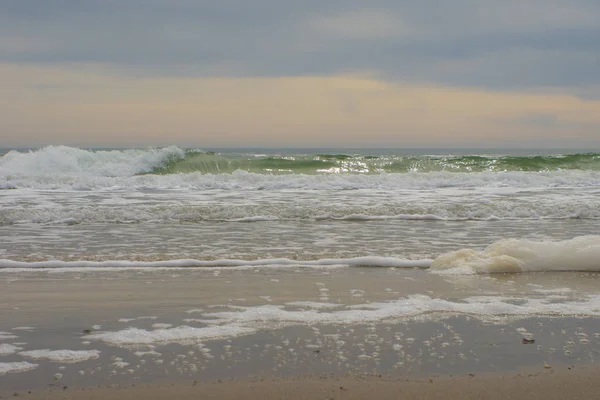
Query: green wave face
[[212, 163]]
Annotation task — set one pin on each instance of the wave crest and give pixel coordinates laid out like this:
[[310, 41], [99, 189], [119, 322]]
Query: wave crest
[[70, 161]]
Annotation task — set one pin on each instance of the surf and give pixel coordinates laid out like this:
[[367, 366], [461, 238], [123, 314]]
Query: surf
[[72, 161], [578, 254], [520, 255]]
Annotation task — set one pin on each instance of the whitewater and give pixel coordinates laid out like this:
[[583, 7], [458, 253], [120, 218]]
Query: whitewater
[[453, 211]]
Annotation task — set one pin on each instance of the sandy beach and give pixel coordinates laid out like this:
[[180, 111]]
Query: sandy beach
[[547, 384], [341, 333]]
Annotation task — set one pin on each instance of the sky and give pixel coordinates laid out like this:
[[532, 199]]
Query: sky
[[311, 73]]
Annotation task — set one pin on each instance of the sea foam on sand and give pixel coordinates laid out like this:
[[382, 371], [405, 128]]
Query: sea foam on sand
[[7, 335], [516, 255], [179, 334], [63, 356], [7, 349], [21, 366], [242, 321]]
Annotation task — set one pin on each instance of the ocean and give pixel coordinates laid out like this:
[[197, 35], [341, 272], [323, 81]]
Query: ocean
[[223, 244], [70, 207]]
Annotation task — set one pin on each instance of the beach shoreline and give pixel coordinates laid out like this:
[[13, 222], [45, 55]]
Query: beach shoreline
[[296, 331]]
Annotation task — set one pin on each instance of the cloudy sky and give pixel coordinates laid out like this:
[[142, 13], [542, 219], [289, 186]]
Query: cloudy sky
[[241, 73]]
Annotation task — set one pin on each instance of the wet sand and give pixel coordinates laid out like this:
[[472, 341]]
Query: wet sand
[[531, 385], [283, 349]]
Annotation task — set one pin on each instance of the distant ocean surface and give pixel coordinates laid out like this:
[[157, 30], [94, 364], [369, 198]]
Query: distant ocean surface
[[480, 210]]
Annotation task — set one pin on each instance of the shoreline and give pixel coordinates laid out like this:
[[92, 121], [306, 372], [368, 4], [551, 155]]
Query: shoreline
[[384, 331]]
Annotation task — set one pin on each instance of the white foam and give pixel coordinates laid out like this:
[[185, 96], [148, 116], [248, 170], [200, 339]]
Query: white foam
[[19, 266], [518, 255], [135, 336], [120, 364], [6, 336], [484, 307], [128, 200], [56, 161], [62, 356], [23, 328], [559, 291], [161, 326], [247, 320], [136, 318], [313, 304], [147, 353], [14, 367], [8, 349], [257, 218], [409, 217], [438, 209]]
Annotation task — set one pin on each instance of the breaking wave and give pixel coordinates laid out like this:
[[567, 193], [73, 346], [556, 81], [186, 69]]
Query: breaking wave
[[64, 160]]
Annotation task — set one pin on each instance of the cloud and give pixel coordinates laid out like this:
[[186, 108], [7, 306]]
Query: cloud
[[90, 105], [322, 72], [484, 43], [360, 24]]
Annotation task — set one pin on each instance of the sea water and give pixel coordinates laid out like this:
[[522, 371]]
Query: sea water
[[487, 234], [164, 207]]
